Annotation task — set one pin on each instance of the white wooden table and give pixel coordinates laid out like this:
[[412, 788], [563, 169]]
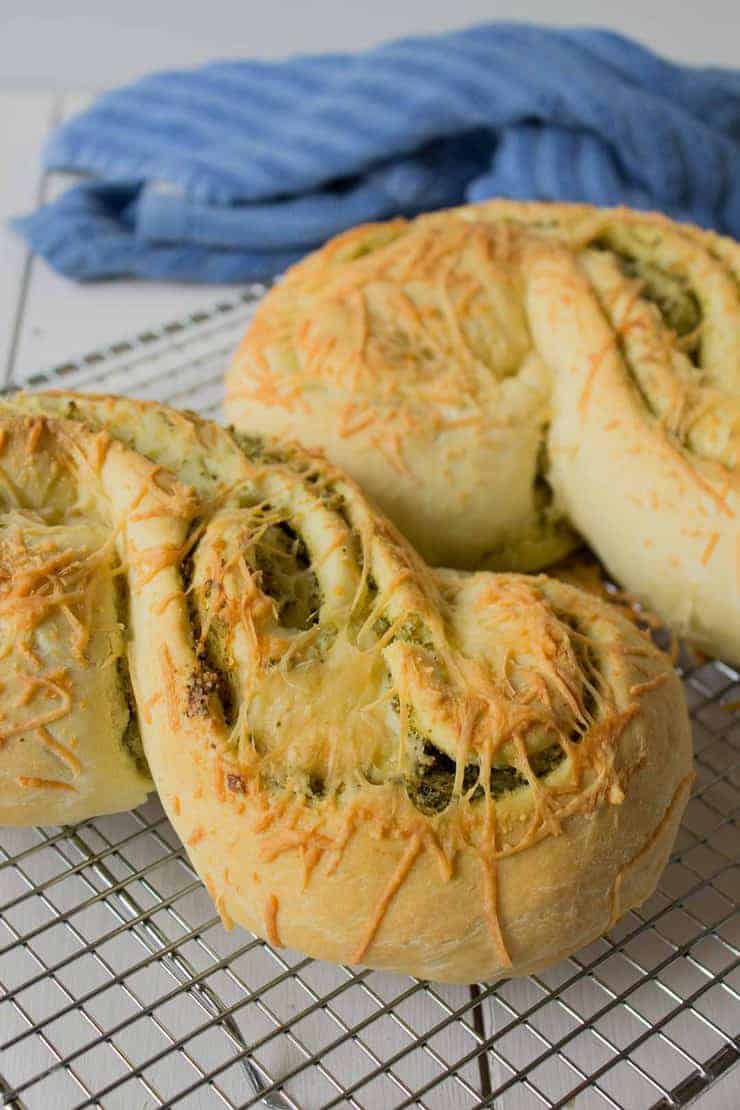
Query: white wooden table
[[46, 320]]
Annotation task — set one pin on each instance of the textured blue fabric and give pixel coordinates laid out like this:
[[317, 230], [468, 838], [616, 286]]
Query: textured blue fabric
[[231, 171]]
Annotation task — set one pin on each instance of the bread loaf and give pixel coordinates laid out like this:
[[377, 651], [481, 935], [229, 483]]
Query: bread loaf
[[456, 776], [499, 374]]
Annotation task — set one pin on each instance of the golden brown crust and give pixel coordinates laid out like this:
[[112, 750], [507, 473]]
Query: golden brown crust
[[346, 741], [670, 460], [574, 349], [69, 747], [403, 351]]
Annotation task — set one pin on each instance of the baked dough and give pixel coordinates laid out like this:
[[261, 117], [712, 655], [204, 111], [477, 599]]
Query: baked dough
[[69, 743], [456, 776], [607, 344], [639, 321], [403, 351]]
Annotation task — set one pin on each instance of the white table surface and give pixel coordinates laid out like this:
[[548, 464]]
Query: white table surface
[[46, 320]]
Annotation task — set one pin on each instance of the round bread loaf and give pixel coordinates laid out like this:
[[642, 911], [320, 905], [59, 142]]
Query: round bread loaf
[[490, 372], [404, 352], [457, 776]]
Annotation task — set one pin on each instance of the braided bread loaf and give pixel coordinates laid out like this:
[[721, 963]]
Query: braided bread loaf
[[493, 372], [458, 776]]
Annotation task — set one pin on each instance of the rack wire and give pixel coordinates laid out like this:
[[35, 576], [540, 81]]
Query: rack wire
[[119, 987]]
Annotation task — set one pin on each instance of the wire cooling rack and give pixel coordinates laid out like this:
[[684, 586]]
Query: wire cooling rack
[[120, 988]]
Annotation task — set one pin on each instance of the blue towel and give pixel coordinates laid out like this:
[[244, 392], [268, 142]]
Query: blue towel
[[232, 171]]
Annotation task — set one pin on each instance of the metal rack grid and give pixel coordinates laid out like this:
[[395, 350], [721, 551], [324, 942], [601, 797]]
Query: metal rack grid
[[120, 988]]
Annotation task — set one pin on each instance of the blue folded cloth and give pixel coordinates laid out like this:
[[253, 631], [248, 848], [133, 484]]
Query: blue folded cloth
[[231, 171]]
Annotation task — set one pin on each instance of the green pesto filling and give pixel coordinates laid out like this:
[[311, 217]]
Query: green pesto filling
[[431, 789], [670, 293], [284, 565], [131, 736], [212, 675]]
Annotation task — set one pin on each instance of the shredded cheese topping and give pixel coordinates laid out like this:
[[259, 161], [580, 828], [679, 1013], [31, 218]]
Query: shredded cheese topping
[[406, 330], [336, 681]]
